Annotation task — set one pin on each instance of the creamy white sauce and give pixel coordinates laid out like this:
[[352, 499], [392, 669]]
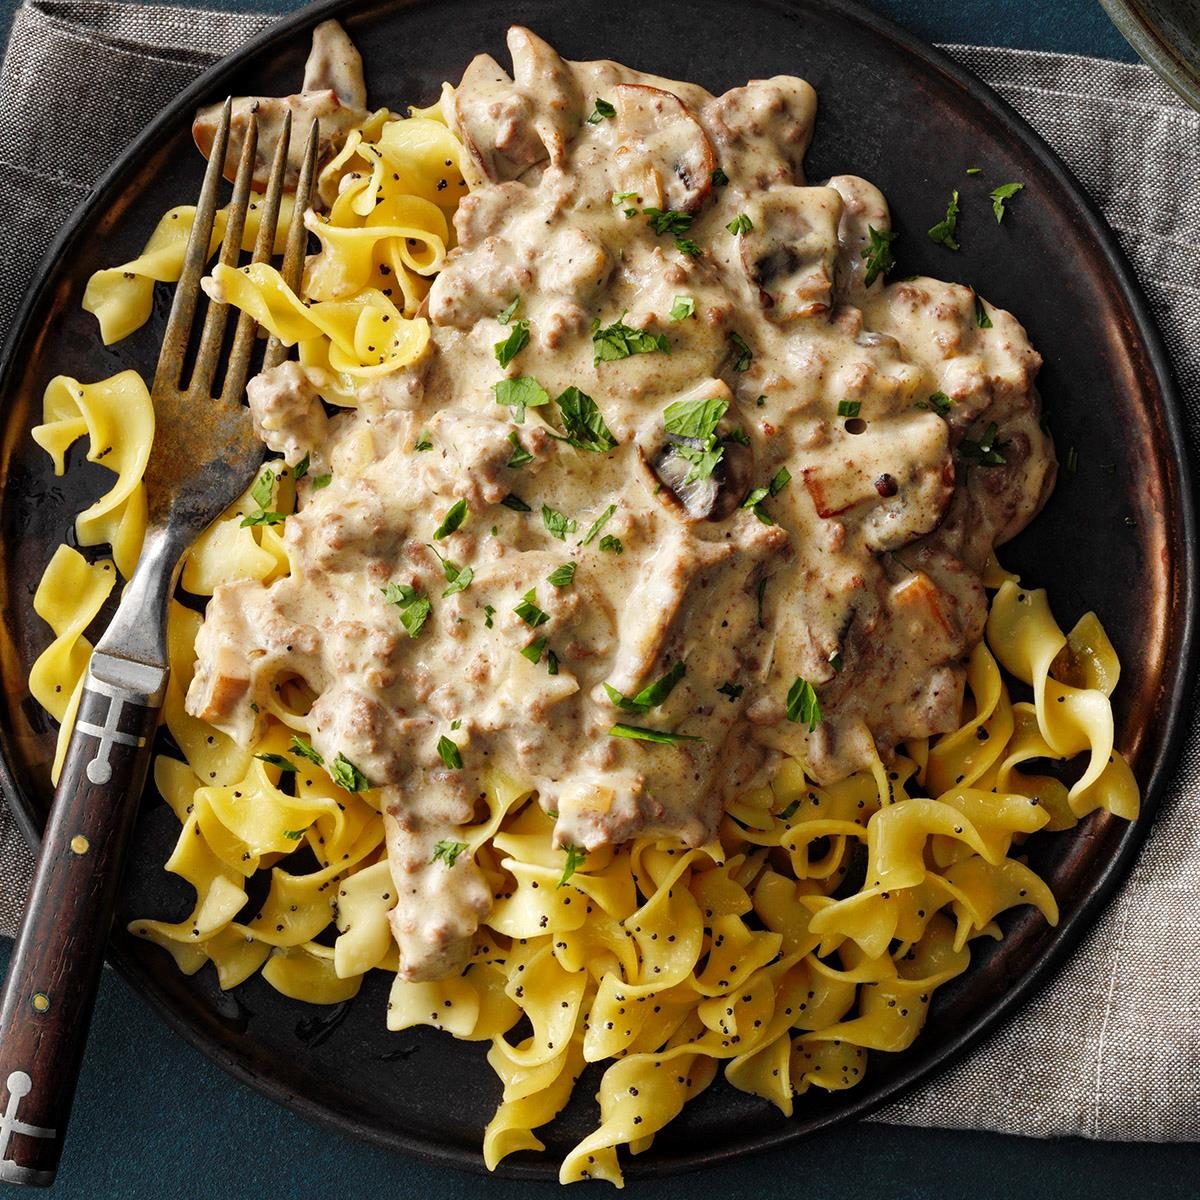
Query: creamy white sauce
[[866, 584]]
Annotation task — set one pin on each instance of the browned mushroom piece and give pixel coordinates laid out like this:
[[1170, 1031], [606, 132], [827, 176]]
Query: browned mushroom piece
[[672, 476], [762, 130], [512, 124], [663, 154], [334, 93], [791, 252]]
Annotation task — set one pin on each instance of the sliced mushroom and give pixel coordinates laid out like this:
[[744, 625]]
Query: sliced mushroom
[[762, 130], [791, 251], [863, 209], [671, 472], [511, 125], [663, 154], [334, 93]]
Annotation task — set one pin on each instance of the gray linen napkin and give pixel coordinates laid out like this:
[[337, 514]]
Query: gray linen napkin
[[1111, 1049]]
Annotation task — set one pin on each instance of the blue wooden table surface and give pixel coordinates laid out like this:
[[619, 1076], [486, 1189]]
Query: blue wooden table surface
[[154, 1120]]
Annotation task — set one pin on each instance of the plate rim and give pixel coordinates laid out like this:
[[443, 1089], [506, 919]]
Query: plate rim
[[1146, 38], [1100, 888]]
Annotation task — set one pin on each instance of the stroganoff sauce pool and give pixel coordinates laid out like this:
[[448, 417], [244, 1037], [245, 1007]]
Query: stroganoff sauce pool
[[797, 476]]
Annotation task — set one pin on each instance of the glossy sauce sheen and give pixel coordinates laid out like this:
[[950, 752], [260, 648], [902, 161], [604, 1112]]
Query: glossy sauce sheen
[[866, 583]]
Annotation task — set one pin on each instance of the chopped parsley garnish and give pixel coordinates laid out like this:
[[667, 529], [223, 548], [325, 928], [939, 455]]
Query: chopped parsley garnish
[[761, 401], [974, 170], [986, 451], [293, 835], [719, 178], [456, 724], [691, 426], [688, 247], [598, 524], [939, 403], [682, 308], [789, 812], [446, 851], [575, 857], [347, 776], [740, 224], [557, 523], [277, 760], [849, 408], [732, 690], [619, 340], [423, 443], [660, 736], [520, 456], [301, 468], [488, 613], [563, 576], [450, 754], [321, 481], [803, 707], [264, 518], [458, 578], [551, 663], [534, 650], [511, 311], [513, 501], [519, 394], [603, 111], [754, 501], [652, 695], [452, 521], [529, 612], [511, 346], [981, 314], [1005, 192], [263, 489], [835, 661], [740, 436], [608, 542], [744, 355], [304, 749], [584, 422], [672, 221], [878, 255], [944, 231], [414, 607]]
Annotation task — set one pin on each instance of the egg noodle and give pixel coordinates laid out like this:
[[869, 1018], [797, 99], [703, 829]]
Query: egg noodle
[[755, 951]]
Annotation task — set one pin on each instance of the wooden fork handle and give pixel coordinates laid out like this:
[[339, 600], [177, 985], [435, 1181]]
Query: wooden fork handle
[[55, 968]]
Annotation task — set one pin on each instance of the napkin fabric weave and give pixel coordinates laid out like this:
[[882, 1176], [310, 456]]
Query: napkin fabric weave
[[1111, 1048]]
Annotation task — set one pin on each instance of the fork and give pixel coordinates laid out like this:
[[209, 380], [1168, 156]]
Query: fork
[[204, 454]]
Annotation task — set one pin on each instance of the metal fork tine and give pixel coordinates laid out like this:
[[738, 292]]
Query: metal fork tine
[[209, 352], [297, 240], [264, 248], [183, 308]]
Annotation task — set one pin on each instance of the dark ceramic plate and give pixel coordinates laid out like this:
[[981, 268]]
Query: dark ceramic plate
[[1166, 33], [1118, 535]]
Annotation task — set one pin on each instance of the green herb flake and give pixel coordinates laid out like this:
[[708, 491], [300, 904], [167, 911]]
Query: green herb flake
[[732, 690], [508, 313], [598, 524], [940, 403], [511, 346], [878, 256], [740, 224], [263, 489], [1072, 460], [835, 661], [301, 468], [602, 112], [743, 356], [347, 776], [1000, 196], [849, 408], [452, 521], [294, 835], [534, 650], [652, 695], [682, 308], [460, 581], [608, 542], [423, 443], [520, 456], [488, 613], [563, 576], [661, 737], [447, 851], [513, 501], [618, 340], [672, 221], [981, 314], [557, 523], [691, 425], [789, 812], [974, 170], [321, 481], [943, 233], [584, 422], [519, 394], [527, 609], [414, 607], [718, 178], [264, 518], [304, 749], [575, 859], [450, 754], [754, 501], [986, 452], [687, 247], [803, 707], [277, 760]]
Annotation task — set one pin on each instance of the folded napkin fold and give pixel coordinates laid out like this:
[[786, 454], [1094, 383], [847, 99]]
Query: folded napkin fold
[[1111, 1048]]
